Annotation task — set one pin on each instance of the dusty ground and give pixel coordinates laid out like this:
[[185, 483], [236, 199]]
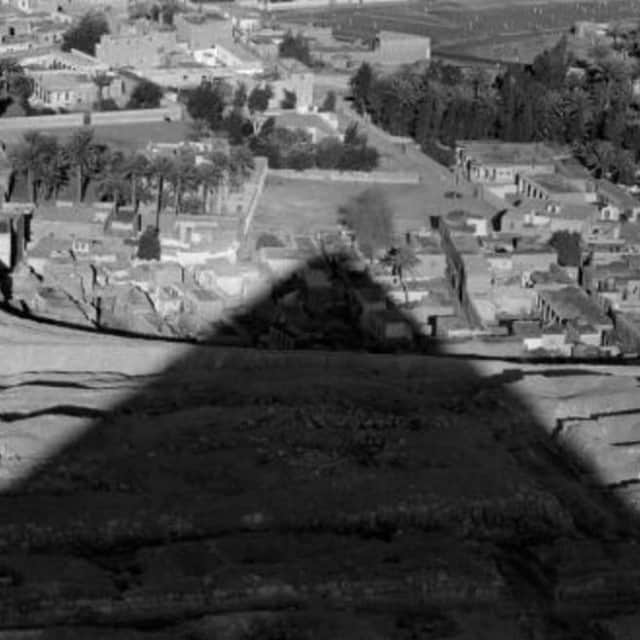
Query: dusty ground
[[305, 206], [154, 491]]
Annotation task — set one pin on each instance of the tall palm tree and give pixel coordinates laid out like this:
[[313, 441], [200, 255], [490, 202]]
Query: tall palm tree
[[82, 153], [101, 80], [221, 161], [51, 172], [25, 158], [162, 170], [112, 180], [183, 176], [137, 166], [241, 164], [211, 176]]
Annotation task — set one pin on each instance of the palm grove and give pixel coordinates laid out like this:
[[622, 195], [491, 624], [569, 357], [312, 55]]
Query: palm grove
[[176, 182], [590, 107]]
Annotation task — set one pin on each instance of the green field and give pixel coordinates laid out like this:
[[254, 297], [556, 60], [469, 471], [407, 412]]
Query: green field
[[125, 136]]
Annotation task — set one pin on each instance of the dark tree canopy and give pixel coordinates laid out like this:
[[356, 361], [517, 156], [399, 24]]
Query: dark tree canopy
[[238, 127], [240, 96], [289, 101], [146, 95], [295, 47], [259, 98], [292, 149], [207, 103], [329, 103], [370, 217], [86, 33], [568, 246], [149, 244], [593, 110]]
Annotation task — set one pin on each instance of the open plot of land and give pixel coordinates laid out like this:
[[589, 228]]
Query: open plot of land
[[127, 136], [305, 206], [459, 21], [521, 49]]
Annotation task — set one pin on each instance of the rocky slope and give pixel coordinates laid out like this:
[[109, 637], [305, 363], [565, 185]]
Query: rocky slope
[[161, 491]]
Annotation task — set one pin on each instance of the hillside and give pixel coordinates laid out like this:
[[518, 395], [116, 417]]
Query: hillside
[[164, 491]]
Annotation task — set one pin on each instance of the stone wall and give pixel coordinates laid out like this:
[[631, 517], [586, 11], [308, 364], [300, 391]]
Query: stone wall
[[70, 120]]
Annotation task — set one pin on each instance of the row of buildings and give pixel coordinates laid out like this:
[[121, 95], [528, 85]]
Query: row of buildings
[[504, 273]]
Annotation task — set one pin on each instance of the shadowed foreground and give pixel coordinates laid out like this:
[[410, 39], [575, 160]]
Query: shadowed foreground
[[156, 490]]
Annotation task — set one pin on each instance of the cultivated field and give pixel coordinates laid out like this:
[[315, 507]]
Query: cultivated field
[[448, 22]]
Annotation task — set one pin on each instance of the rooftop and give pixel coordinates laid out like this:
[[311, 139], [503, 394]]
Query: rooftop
[[465, 242], [572, 169], [202, 18], [616, 195], [61, 80], [572, 303], [571, 211], [500, 153], [554, 183]]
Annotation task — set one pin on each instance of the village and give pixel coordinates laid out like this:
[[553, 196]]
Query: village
[[514, 250]]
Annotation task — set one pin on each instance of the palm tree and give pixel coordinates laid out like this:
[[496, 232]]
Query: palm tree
[[112, 180], [82, 153], [221, 161], [401, 259], [25, 158], [211, 176], [101, 80], [241, 164], [184, 175], [162, 170], [51, 172], [136, 166], [13, 80]]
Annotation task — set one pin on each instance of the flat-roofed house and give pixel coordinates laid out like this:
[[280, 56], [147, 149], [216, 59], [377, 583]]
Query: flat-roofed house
[[616, 203], [136, 51], [58, 89], [556, 187], [571, 306], [495, 163]]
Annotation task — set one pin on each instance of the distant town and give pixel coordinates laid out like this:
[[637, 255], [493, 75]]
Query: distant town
[[240, 174]]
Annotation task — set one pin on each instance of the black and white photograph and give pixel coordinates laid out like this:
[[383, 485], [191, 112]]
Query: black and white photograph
[[320, 320]]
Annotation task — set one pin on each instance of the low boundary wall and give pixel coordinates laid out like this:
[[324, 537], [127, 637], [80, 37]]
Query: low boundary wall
[[330, 175], [70, 120]]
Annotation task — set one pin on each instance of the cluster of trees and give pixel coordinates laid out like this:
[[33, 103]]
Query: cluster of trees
[[86, 33], [145, 95], [295, 47], [591, 110], [369, 216], [569, 247], [292, 149], [15, 85], [161, 13], [215, 106], [126, 177]]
